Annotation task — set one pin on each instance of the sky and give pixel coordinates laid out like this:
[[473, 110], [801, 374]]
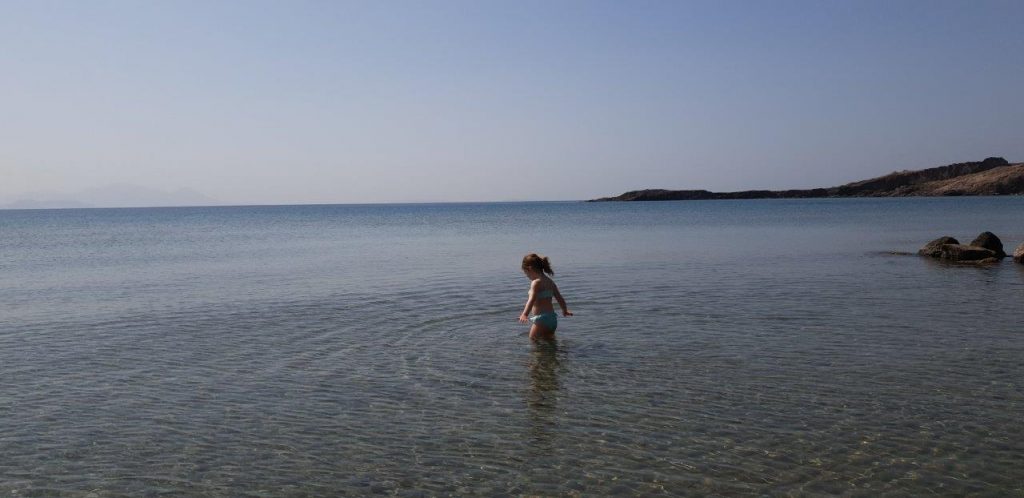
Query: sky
[[293, 102]]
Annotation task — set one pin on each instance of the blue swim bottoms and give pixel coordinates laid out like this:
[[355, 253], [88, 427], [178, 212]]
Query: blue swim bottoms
[[546, 320]]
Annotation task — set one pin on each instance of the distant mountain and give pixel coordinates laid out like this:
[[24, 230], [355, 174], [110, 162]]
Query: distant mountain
[[115, 195], [48, 204], [993, 176]]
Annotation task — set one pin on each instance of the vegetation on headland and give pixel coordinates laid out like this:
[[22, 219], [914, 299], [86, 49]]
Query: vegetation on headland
[[993, 176]]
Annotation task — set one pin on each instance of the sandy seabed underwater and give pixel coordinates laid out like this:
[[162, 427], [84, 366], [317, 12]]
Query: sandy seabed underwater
[[720, 348]]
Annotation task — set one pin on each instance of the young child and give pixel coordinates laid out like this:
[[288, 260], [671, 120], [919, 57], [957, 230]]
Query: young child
[[538, 309]]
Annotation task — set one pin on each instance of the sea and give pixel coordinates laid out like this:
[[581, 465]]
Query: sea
[[717, 348]]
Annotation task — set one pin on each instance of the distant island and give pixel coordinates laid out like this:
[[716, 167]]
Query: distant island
[[993, 176]]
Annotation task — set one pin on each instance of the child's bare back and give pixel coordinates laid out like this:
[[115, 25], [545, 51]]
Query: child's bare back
[[539, 310]]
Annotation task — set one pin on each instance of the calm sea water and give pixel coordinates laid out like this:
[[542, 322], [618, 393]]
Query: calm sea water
[[769, 347]]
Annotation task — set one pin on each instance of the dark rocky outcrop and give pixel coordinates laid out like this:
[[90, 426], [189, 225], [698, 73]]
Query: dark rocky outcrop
[[988, 240], [993, 176], [965, 253], [985, 248], [1018, 254], [934, 248]]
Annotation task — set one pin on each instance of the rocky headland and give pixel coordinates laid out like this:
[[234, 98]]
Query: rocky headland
[[993, 176]]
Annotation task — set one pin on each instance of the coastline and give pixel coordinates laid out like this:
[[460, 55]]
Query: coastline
[[992, 176]]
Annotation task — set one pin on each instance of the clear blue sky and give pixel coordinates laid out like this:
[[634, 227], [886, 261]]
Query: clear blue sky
[[393, 101]]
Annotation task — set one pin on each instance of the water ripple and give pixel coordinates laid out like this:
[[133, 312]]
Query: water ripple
[[247, 355]]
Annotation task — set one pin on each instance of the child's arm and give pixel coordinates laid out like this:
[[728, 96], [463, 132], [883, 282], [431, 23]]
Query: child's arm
[[561, 302], [525, 315]]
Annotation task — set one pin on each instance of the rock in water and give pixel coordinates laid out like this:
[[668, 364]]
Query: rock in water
[[962, 253], [1018, 254], [989, 241], [934, 248]]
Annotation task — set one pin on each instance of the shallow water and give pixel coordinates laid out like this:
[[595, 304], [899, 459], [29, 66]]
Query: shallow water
[[720, 347]]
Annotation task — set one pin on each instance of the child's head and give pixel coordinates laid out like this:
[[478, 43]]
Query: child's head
[[537, 263]]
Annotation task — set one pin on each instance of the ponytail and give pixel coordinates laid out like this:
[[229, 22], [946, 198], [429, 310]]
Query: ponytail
[[537, 263]]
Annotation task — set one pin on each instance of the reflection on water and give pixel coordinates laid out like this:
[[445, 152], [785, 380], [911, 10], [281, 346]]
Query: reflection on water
[[722, 348], [542, 397]]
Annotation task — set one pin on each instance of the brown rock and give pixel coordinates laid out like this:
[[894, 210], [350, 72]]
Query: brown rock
[[1018, 254], [989, 241], [964, 253], [934, 248]]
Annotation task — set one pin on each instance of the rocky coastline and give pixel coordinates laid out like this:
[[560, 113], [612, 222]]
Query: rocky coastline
[[992, 176]]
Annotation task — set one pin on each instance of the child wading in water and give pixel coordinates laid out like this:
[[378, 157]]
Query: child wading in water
[[538, 309]]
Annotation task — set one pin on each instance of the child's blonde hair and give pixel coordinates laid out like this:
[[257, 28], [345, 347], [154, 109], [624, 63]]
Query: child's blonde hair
[[537, 263]]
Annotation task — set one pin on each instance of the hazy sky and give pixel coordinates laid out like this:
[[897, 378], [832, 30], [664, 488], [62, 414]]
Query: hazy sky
[[391, 101]]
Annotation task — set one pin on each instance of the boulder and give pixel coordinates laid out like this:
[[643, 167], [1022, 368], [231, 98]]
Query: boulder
[[965, 253], [1018, 254], [934, 248], [989, 241]]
